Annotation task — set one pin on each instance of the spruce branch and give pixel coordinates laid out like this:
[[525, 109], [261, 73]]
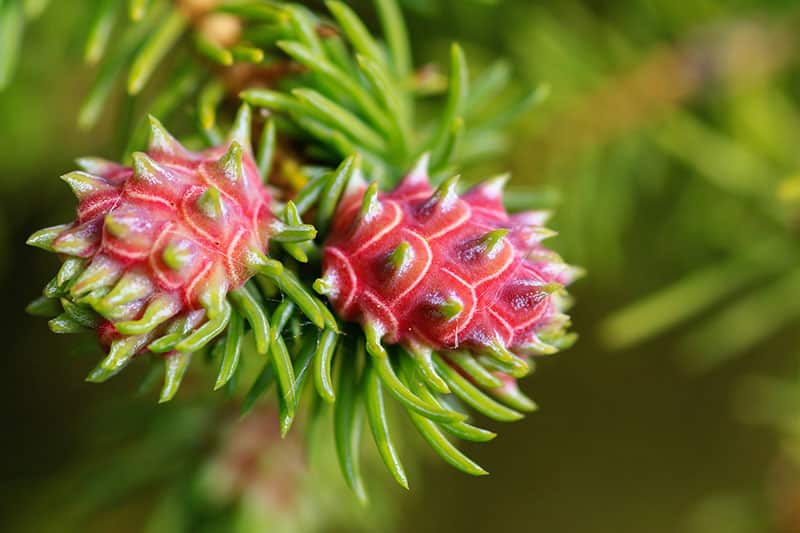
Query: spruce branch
[[207, 255]]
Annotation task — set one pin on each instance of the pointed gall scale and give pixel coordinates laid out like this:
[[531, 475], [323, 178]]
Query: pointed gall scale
[[44, 237], [113, 172], [147, 169], [399, 270], [79, 241], [132, 287], [163, 143], [442, 199], [129, 232], [232, 165], [70, 268], [487, 197], [415, 184], [370, 206], [158, 311], [177, 254], [449, 308], [210, 203], [212, 293], [440, 213], [419, 173], [531, 218], [84, 184], [116, 226], [400, 258], [487, 245], [102, 272]]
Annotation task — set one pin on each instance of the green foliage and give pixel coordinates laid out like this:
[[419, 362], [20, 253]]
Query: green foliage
[[347, 101], [658, 196]]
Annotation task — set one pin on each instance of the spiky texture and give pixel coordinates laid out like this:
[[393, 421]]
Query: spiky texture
[[440, 274], [427, 268], [454, 296], [157, 247]]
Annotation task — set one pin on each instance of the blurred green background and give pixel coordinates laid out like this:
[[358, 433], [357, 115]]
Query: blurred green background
[[670, 148]]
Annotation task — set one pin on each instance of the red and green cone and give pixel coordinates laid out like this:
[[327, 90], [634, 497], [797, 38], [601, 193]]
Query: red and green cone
[[454, 296], [159, 255]]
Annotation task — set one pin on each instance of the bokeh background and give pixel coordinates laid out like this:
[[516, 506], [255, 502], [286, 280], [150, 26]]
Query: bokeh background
[[670, 148]]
